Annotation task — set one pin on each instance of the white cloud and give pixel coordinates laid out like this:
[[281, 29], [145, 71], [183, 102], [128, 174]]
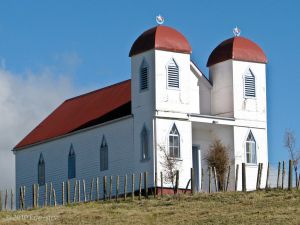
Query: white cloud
[[25, 99]]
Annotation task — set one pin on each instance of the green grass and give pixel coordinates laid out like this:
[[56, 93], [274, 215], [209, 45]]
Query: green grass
[[271, 207]]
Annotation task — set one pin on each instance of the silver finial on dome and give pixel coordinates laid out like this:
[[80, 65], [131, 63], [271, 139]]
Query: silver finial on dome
[[159, 19], [236, 31]]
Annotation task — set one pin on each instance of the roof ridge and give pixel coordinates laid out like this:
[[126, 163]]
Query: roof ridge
[[100, 89]]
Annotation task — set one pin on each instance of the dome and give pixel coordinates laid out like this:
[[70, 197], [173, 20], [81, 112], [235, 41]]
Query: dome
[[162, 38], [237, 48]]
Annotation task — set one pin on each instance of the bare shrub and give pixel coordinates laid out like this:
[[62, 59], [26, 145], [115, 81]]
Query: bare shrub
[[218, 158], [170, 165], [290, 145]]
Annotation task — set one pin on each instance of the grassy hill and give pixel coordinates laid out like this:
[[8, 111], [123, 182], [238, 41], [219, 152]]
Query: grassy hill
[[272, 207]]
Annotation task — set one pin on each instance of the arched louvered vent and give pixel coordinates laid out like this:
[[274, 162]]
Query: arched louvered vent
[[173, 75], [144, 76], [249, 85]]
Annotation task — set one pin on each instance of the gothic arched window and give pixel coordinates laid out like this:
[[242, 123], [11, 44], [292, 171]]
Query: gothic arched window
[[41, 170], [144, 143], [71, 163], [250, 149], [103, 155], [174, 142]]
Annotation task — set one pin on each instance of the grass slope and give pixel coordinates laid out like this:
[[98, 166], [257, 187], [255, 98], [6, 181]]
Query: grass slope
[[272, 207]]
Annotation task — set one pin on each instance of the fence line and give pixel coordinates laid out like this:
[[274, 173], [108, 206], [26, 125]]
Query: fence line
[[275, 176]]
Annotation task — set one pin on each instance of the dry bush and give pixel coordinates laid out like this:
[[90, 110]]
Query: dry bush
[[218, 158], [170, 165]]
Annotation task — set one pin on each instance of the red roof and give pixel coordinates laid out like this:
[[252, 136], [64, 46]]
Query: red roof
[[83, 111], [238, 48], [162, 38]]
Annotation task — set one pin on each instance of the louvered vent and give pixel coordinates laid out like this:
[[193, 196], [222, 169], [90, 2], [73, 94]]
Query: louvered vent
[[249, 85], [173, 75], [144, 78]]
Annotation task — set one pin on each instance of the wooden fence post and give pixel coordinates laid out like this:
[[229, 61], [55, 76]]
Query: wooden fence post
[[140, 187], [104, 188], [228, 177], [79, 192], [161, 184], [209, 179], [117, 187], [24, 195], [0, 201], [37, 195], [177, 181], [33, 196], [290, 175], [279, 166], [63, 193], [283, 174], [268, 174], [54, 197], [244, 187], [46, 195], [236, 177], [260, 174], [155, 184], [91, 189], [75, 191], [68, 192], [97, 188], [11, 199], [125, 187], [146, 183], [20, 199], [257, 178], [132, 186], [202, 178], [50, 193], [84, 190], [110, 187], [216, 179]]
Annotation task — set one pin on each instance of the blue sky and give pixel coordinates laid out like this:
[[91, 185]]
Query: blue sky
[[89, 42]]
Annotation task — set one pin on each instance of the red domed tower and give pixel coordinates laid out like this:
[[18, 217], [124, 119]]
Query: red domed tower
[[237, 70]]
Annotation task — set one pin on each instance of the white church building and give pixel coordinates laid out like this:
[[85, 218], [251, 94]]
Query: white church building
[[167, 104]]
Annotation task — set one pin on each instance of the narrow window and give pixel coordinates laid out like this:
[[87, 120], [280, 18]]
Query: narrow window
[[41, 170], [174, 142], [71, 163], [173, 75], [249, 85], [144, 76], [250, 149], [144, 144], [103, 155]]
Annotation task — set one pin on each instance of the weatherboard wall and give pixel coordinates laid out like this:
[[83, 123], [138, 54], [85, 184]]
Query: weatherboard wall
[[87, 149]]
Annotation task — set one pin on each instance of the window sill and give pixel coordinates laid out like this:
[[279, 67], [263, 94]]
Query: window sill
[[251, 164], [145, 160], [177, 159], [252, 98]]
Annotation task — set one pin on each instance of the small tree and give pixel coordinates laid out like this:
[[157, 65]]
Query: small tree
[[170, 165], [218, 158], [290, 145]]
